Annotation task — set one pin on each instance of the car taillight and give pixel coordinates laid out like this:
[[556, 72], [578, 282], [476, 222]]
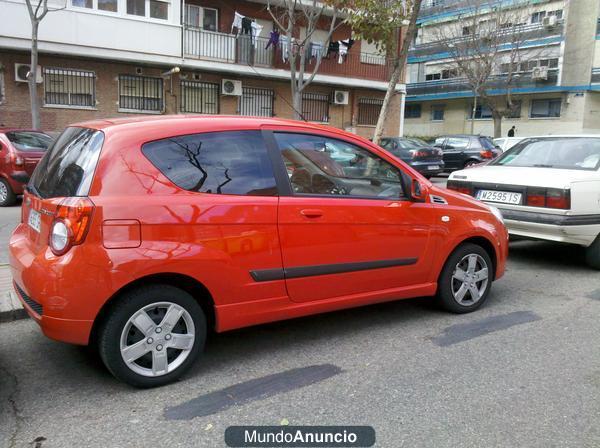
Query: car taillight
[[486, 154], [461, 187], [71, 224], [549, 198], [556, 198], [415, 153]]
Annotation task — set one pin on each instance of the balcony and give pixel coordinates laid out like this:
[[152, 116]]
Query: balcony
[[437, 7], [456, 86], [529, 33], [243, 50]]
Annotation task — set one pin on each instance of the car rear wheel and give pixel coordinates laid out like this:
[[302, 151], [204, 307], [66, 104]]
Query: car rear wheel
[[7, 196], [152, 335], [592, 254], [466, 279]]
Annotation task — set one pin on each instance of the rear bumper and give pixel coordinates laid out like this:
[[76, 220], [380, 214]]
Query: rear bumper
[[56, 291], [574, 229], [428, 168]]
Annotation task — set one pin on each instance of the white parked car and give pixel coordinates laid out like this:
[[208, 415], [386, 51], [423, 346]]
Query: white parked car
[[547, 188], [505, 143]]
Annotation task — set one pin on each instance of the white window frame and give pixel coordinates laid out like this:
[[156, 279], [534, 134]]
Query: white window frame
[[201, 10], [95, 7], [147, 11]]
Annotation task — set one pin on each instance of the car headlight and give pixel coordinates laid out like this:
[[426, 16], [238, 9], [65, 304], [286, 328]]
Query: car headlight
[[497, 213]]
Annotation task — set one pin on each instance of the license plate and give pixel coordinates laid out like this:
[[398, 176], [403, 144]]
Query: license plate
[[433, 167], [505, 197], [34, 220]]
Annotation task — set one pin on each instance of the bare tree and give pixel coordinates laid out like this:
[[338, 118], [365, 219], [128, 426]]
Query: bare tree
[[289, 15], [486, 49], [37, 12]]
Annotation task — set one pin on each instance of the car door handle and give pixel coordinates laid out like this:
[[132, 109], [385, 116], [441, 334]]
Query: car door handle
[[311, 213]]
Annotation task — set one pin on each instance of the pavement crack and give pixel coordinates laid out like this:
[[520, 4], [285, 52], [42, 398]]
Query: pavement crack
[[12, 401]]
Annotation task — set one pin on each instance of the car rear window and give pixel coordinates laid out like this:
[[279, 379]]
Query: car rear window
[[68, 166], [486, 143], [233, 162], [573, 153], [29, 140]]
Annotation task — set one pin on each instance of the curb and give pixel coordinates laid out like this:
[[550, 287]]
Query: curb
[[10, 316]]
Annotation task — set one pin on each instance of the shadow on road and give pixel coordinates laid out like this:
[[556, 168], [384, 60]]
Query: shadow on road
[[547, 254]]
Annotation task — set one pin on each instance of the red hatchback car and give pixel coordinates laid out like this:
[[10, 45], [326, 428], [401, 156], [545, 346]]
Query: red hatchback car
[[139, 235], [20, 152]]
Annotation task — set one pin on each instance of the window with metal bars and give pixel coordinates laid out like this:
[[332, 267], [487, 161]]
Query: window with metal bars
[[315, 107], [256, 102], [69, 87], [368, 111], [199, 97], [140, 94]]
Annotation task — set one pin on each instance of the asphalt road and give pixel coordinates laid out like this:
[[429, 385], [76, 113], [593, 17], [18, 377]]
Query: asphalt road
[[9, 218], [523, 371]]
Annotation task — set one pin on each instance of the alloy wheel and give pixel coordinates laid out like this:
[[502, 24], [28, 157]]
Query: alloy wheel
[[157, 339], [3, 192], [470, 280]]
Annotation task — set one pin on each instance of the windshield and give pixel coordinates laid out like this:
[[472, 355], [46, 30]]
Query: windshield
[[572, 153], [29, 140], [68, 166]]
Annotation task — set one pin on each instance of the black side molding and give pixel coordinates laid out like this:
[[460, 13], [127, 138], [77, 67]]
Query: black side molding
[[547, 218], [265, 275]]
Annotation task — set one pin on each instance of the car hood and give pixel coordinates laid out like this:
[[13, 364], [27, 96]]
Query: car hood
[[509, 175]]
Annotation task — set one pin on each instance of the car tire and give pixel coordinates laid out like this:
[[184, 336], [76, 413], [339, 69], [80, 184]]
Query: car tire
[[166, 347], [592, 254], [467, 262], [7, 196]]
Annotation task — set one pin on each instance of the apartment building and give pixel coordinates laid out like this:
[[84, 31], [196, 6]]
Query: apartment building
[[109, 58], [556, 92]]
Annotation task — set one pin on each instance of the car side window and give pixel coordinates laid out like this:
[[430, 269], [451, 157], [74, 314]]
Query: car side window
[[318, 165], [457, 143], [233, 162]]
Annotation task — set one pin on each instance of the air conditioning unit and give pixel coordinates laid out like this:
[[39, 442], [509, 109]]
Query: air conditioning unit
[[341, 97], [231, 87], [549, 21], [539, 73], [21, 71]]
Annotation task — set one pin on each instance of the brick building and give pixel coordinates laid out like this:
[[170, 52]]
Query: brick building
[[107, 58]]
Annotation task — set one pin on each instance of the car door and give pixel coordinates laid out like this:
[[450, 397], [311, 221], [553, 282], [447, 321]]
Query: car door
[[346, 230], [454, 152]]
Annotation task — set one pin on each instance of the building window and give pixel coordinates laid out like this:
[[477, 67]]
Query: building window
[[433, 76], [199, 97], [437, 112], [155, 9], [140, 94], [83, 3], [537, 17], [467, 30], [481, 112], [1, 86], [516, 111], [256, 102], [102, 5], [199, 17], [315, 107], [368, 111], [549, 108], [558, 13], [412, 111], [69, 87]]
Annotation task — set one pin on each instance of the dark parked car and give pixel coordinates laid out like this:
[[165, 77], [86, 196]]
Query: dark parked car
[[20, 152], [424, 158], [462, 151]]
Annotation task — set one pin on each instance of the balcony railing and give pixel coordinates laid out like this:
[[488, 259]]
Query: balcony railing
[[434, 7], [244, 50], [455, 85], [507, 35]]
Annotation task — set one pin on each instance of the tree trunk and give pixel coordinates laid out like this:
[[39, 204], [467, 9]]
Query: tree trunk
[[473, 115], [297, 103], [497, 125], [386, 102], [32, 78]]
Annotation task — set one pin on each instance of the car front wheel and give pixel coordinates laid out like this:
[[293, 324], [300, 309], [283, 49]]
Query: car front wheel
[[152, 335], [466, 279]]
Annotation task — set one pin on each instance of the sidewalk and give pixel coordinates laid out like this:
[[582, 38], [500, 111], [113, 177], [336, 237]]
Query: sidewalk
[[10, 307]]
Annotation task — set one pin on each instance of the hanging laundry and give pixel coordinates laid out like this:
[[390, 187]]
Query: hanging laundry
[[333, 49], [316, 49], [343, 52], [348, 43], [246, 25], [273, 39], [285, 54], [256, 29], [237, 22]]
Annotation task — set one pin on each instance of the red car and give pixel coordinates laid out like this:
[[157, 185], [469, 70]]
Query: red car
[[20, 152], [140, 235]]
